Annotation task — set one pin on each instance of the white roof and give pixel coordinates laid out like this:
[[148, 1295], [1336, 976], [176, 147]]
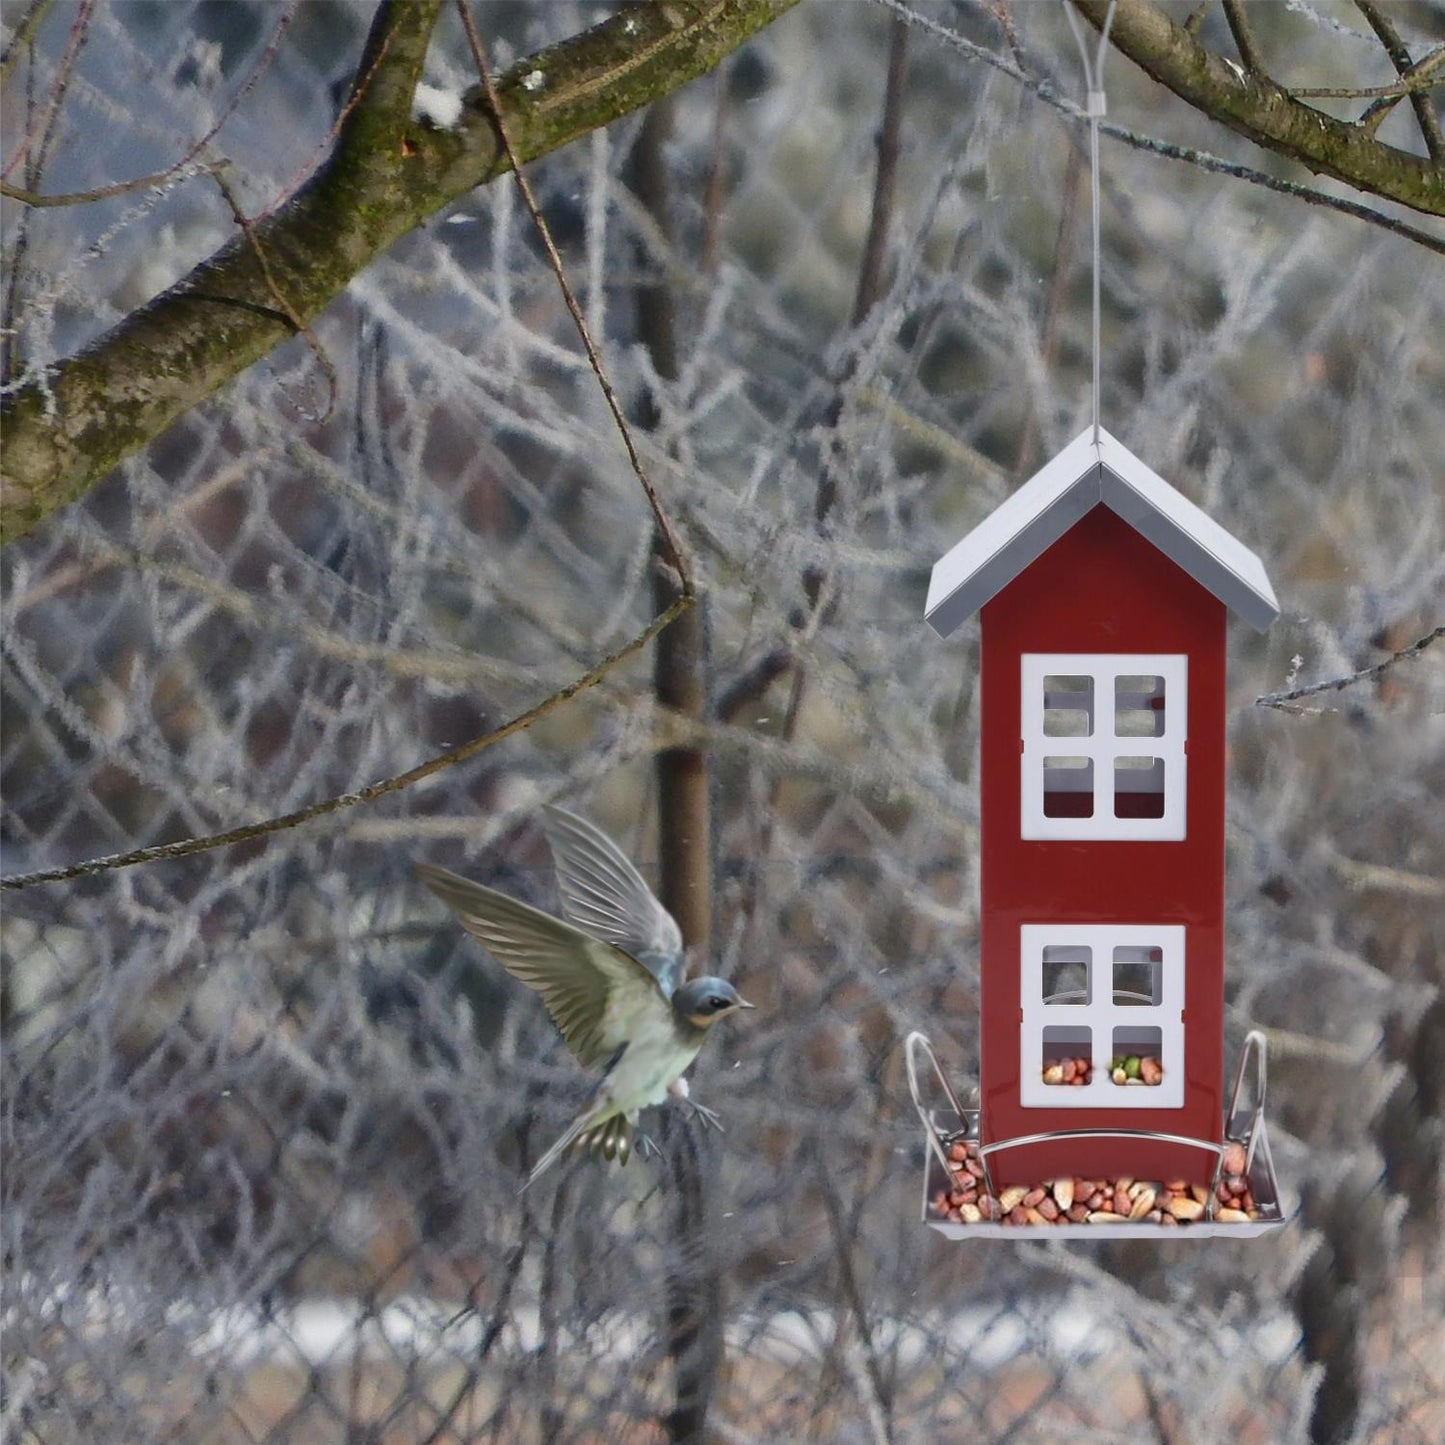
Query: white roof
[[1084, 474]]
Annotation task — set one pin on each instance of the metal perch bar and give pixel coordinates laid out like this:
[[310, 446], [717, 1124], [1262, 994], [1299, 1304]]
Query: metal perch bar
[[1051, 1135], [912, 1045], [1254, 1041]]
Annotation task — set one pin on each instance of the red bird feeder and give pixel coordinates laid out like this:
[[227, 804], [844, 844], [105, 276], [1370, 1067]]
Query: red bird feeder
[[1102, 593]]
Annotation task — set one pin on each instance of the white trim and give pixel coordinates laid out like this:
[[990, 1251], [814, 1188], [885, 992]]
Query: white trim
[[1084, 475], [1101, 1015], [1102, 747]]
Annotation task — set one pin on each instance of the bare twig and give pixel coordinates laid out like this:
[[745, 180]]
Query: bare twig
[[185, 847], [885, 181], [1284, 700], [693, 1286], [1000, 11], [1196, 17], [1240, 28], [680, 664], [23, 34], [674, 548], [283, 303], [34, 167], [43, 124], [1421, 76], [757, 678], [1219, 166], [141, 183], [1380, 878], [1375, 114], [1396, 49]]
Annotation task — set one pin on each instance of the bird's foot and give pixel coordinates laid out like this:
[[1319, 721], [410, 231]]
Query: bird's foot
[[646, 1149], [708, 1118]]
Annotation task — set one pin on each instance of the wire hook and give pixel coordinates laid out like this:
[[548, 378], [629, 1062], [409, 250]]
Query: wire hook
[[1093, 70], [1097, 106]]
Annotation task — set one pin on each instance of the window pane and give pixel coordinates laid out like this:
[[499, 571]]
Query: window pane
[[1137, 1058], [1138, 787], [1139, 707], [1138, 976], [1066, 974], [1069, 788], [1068, 707], [1068, 1057]]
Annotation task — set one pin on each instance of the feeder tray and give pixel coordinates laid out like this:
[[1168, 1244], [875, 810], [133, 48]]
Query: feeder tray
[[1245, 1126]]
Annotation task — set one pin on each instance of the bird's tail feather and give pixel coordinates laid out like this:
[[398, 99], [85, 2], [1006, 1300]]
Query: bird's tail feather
[[611, 1137], [574, 1132]]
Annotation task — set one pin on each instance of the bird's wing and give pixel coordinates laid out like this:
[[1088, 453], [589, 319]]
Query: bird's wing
[[605, 895], [597, 995]]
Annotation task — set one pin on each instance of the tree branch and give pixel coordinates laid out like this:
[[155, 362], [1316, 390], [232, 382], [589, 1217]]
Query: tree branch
[[249, 832], [777, 660], [67, 429], [23, 34], [1284, 700], [1419, 76], [1399, 55], [159, 178], [1047, 93], [1257, 108], [1243, 32]]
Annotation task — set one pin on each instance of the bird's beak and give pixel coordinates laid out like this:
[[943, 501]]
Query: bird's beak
[[743, 1003]]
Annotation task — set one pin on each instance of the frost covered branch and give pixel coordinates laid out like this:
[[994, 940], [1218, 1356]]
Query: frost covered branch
[[1249, 102], [386, 175], [1283, 700], [1204, 160], [250, 832]]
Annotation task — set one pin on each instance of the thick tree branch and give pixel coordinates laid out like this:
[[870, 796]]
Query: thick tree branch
[[1256, 107], [66, 430]]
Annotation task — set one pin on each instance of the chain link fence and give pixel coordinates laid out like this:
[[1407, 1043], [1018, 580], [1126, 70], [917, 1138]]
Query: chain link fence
[[266, 1109]]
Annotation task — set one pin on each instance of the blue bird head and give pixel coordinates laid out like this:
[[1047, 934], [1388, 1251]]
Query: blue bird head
[[703, 1001]]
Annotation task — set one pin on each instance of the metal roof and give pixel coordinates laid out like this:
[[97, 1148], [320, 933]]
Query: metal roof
[[1084, 474]]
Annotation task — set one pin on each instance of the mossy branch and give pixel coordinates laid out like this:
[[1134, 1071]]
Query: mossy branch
[[1249, 102], [66, 430]]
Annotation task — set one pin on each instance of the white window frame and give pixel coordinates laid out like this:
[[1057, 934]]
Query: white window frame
[[1102, 748], [1101, 1015]]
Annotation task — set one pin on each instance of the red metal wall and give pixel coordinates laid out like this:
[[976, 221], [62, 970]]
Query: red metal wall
[[1102, 588]]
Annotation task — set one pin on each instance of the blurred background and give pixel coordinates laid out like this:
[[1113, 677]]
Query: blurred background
[[266, 1109]]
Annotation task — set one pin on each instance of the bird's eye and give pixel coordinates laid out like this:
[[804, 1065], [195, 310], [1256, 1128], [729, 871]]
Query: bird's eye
[[717, 1002]]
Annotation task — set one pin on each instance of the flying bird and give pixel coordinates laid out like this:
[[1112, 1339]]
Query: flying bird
[[610, 976]]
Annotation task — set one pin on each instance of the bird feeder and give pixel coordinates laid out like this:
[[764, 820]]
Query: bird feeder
[[1102, 594]]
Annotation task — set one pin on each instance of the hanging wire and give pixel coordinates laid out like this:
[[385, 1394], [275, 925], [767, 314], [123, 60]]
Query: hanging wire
[[1097, 107]]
